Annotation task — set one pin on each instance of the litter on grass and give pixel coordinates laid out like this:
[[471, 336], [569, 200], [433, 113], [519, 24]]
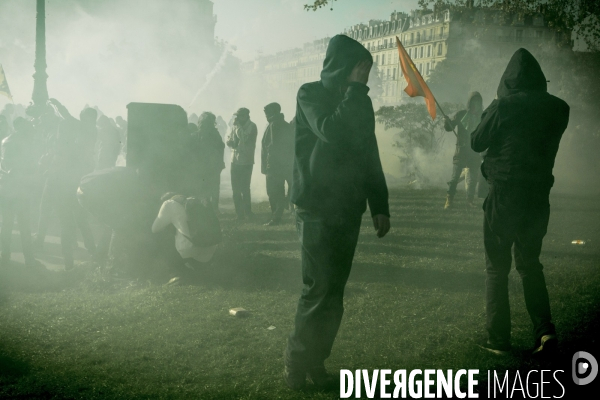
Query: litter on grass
[[239, 312], [271, 328], [578, 241]]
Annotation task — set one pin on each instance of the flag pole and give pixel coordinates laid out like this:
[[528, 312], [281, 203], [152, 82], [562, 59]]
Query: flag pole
[[444, 114], [404, 55]]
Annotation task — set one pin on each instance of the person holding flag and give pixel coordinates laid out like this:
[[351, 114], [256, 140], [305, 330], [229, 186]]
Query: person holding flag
[[466, 121]]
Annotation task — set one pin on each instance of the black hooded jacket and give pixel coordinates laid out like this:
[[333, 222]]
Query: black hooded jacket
[[277, 153], [463, 154], [336, 159], [522, 128]]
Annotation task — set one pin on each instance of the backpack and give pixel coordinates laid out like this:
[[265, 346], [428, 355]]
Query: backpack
[[203, 223]]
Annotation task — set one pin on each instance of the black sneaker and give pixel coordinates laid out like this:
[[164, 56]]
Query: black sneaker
[[322, 379], [545, 345], [494, 348]]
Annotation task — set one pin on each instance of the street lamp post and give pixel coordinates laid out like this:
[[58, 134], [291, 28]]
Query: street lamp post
[[40, 90]]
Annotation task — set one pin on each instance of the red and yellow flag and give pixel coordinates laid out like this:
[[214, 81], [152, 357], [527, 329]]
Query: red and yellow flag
[[416, 85]]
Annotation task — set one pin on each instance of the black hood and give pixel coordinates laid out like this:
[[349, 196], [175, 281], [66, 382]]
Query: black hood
[[523, 73], [473, 95], [343, 53]]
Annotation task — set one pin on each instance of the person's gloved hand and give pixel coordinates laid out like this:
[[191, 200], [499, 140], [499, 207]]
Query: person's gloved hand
[[360, 73], [382, 224]]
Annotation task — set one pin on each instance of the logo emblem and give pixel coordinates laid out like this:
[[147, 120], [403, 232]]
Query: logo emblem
[[584, 364]]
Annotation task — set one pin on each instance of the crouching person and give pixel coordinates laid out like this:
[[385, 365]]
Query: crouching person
[[197, 231]]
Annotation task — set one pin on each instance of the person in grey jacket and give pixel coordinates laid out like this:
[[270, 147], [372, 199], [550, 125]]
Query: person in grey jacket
[[242, 141]]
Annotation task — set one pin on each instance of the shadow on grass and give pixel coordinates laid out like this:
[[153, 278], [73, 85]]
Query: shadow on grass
[[448, 281]]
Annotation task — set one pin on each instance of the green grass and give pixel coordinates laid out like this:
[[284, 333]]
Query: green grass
[[415, 299]]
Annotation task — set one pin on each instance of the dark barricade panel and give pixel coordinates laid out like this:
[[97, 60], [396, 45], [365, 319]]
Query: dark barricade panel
[[156, 144]]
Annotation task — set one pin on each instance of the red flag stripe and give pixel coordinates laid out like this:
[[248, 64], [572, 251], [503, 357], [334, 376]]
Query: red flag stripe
[[416, 85]]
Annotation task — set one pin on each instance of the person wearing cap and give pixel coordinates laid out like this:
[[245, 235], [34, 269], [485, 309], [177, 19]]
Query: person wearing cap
[[521, 131], [336, 172], [242, 141], [277, 157]]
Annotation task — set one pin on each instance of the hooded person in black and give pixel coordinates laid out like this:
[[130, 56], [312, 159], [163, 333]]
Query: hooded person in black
[[209, 150], [277, 156], [337, 171], [465, 121], [18, 168], [521, 131]]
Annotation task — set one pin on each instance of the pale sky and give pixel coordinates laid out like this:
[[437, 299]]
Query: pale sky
[[112, 52], [274, 25]]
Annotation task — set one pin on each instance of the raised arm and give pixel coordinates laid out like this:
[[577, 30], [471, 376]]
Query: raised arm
[[163, 219], [62, 110], [481, 137]]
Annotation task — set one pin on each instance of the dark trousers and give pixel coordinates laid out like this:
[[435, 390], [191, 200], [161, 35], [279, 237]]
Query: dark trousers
[[471, 177], [61, 196], [276, 193], [19, 208], [241, 175], [327, 251], [515, 216], [214, 190]]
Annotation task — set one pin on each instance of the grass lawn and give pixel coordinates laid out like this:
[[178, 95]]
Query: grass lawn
[[415, 299]]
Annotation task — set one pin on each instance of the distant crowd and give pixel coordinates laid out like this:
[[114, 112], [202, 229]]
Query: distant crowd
[[54, 163]]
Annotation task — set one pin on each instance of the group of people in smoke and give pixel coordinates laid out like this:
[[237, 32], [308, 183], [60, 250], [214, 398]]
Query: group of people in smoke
[[330, 155], [44, 158]]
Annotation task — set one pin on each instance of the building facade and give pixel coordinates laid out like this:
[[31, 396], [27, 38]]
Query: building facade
[[429, 38]]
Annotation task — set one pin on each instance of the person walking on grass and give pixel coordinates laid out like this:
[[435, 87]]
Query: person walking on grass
[[336, 172], [242, 141], [521, 131], [277, 156]]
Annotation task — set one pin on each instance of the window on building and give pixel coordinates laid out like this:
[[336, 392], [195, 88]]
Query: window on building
[[441, 32], [519, 35], [388, 73], [412, 38], [420, 68], [410, 53], [429, 51], [421, 52], [440, 48], [383, 59], [447, 15], [418, 37], [431, 34], [394, 74], [427, 69], [377, 59]]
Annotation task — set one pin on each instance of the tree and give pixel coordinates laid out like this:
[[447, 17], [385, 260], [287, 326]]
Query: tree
[[318, 4], [417, 132], [564, 16]]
